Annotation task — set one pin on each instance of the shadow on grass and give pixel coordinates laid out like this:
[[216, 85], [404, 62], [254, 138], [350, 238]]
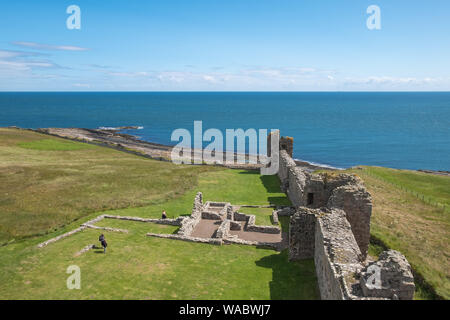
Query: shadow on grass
[[271, 183], [290, 280], [280, 201]]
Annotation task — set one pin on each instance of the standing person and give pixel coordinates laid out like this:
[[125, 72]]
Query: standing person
[[103, 242], [164, 215]]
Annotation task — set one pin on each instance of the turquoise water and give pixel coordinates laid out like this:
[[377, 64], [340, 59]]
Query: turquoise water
[[399, 130]]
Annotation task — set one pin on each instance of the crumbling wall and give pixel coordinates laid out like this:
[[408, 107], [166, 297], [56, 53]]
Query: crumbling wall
[[286, 163], [332, 225], [188, 224], [336, 255], [357, 204], [343, 191], [296, 186], [287, 144], [302, 234]]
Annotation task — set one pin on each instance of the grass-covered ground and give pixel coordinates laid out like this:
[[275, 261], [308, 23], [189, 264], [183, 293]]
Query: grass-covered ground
[[407, 216], [46, 182]]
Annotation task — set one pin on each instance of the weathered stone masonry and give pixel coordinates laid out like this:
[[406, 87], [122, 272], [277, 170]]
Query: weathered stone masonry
[[330, 223]]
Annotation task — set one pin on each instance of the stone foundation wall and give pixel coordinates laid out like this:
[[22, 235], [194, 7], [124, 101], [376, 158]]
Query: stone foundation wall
[[209, 215]]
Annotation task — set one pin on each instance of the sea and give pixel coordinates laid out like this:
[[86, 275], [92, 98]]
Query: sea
[[405, 130]]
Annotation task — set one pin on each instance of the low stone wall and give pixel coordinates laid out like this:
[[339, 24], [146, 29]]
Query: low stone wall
[[235, 225], [230, 213], [106, 228], [91, 224], [67, 234], [224, 229], [189, 223], [236, 240], [172, 222], [240, 216], [263, 229], [250, 225], [275, 217], [85, 249], [186, 238], [209, 215], [286, 211]]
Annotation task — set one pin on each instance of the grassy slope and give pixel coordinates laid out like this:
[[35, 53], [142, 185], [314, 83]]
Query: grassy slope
[[408, 224], [63, 185]]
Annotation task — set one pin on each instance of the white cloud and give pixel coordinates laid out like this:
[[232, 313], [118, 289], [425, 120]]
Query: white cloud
[[41, 46], [81, 85], [129, 74], [377, 80]]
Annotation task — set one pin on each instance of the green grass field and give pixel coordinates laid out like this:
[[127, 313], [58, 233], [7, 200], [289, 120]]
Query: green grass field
[[45, 186], [49, 186]]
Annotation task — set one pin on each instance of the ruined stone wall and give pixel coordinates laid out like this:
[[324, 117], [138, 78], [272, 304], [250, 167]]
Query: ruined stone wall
[[341, 191], [286, 163], [357, 204], [296, 186], [301, 234], [331, 224], [336, 256], [188, 224]]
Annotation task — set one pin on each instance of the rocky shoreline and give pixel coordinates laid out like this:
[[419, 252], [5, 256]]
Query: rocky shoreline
[[113, 137]]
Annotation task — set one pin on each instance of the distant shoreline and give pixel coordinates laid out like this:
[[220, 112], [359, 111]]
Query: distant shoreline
[[113, 137]]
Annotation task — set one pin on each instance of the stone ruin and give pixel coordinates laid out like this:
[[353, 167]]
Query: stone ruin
[[330, 223], [211, 222], [221, 223]]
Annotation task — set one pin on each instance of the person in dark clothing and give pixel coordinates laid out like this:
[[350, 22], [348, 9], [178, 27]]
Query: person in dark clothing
[[103, 242], [164, 215]]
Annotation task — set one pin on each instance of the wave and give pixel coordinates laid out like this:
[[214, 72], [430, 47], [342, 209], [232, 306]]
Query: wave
[[122, 128], [317, 164]]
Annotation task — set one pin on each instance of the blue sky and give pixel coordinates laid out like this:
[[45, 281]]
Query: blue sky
[[232, 45]]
